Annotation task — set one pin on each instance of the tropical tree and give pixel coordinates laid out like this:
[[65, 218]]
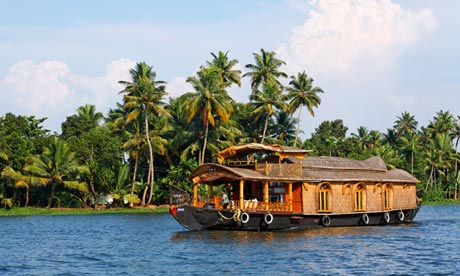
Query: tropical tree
[[265, 70], [405, 124], [284, 130], [57, 165], [89, 111], [227, 75], [21, 181], [302, 93], [362, 136], [266, 103], [143, 96], [208, 100], [411, 142]]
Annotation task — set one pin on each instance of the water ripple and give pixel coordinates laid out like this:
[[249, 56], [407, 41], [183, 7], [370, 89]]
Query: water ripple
[[154, 244]]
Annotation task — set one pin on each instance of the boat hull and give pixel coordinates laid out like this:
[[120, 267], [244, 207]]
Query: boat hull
[[194, 218]]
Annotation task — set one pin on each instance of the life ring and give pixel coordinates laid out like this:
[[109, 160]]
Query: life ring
[[401, 215], [268, 218], [326, 220], [244, 217], [386, 217], [365, 219]]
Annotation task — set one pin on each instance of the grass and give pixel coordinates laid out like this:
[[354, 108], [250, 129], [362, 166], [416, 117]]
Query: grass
[[32, 211]]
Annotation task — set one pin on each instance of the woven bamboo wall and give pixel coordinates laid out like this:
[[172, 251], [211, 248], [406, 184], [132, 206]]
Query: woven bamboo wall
[[342, 197]]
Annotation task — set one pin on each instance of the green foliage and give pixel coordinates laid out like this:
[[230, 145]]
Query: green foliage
[[144, 133]]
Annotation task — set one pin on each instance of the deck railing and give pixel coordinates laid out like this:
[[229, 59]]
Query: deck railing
[[277, 169], [248, 205]]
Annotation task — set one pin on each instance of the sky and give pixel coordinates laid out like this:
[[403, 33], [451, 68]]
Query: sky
[[374, 59]]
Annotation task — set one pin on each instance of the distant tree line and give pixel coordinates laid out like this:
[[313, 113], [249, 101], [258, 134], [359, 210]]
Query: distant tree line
[[149, 141]]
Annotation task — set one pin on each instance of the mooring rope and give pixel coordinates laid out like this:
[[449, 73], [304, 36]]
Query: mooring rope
[[235, 217]]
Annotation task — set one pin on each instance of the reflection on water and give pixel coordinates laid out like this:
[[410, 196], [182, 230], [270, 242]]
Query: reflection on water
[[149, 244]]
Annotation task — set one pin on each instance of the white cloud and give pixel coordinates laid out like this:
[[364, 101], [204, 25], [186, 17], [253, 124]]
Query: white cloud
[[354, 36], [178, 86], [35, 88], [50, 89]]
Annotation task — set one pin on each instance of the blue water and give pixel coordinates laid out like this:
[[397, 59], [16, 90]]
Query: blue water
[[154, 244]]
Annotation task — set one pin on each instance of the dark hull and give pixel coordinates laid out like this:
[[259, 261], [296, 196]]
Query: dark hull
[[218, 219]]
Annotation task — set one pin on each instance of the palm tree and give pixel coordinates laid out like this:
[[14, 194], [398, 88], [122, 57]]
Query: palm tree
[[57, 165], [362, 137], [227, 74], [209, 100], [265, 104], [411, 142], [438, 158], [302, 93], [405, 124], [144, 97], [89, 111], [443, 122], [284, 130], [265, 70], [21, 181]]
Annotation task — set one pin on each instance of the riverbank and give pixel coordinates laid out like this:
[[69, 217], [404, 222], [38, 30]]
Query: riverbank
[[32, 211]]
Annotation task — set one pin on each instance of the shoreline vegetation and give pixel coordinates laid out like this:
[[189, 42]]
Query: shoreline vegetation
[[102, 210], [34, 211], [149, 140]]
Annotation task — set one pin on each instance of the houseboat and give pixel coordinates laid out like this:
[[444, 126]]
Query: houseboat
[[273, 187]]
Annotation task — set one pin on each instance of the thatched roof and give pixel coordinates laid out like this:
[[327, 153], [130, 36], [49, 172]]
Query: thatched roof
[[338, 163], [314, 169], [239, 151]]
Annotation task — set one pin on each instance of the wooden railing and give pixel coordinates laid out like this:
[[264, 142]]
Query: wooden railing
[[247, 205], [276, 169]]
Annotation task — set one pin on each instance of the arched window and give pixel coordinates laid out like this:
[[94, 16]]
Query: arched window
[[360, 197], [388, 196], [324, 198]]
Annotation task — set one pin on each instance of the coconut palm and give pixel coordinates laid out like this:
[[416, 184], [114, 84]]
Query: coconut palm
[[265, 70], [227, 74], [21, 181], [208, 100], [89, 111], [443, 122], [405, 124], [143, 96], [57, 165], [362, 136], [266, 103], [284, 130], [302, 93], [411, 143]]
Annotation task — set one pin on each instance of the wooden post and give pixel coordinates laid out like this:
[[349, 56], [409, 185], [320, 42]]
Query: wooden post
[[266, 195], [290, 195], [195, 194], [241, 194], [211, 194]]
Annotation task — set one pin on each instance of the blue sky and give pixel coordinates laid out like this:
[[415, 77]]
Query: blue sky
[[374, 59]]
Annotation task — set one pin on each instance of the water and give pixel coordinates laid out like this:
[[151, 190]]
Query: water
[[154, 244]]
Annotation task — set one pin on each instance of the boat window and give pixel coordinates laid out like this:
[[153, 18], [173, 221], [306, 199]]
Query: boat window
[[324, 198], [388, 196], [360, 197]]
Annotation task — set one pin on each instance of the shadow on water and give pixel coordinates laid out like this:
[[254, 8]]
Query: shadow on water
[[218, 236]]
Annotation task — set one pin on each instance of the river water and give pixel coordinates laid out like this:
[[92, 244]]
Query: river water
[[155, 244]]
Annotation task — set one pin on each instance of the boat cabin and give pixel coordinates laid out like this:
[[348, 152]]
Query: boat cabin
[[274, 178]]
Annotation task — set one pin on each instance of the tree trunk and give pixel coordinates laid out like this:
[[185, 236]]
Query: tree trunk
[[205, 142], [298, 127], [144, 195], [265, 130], [27, 197], [412, 163], [53, 191], [136, 163], [151, 172]]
